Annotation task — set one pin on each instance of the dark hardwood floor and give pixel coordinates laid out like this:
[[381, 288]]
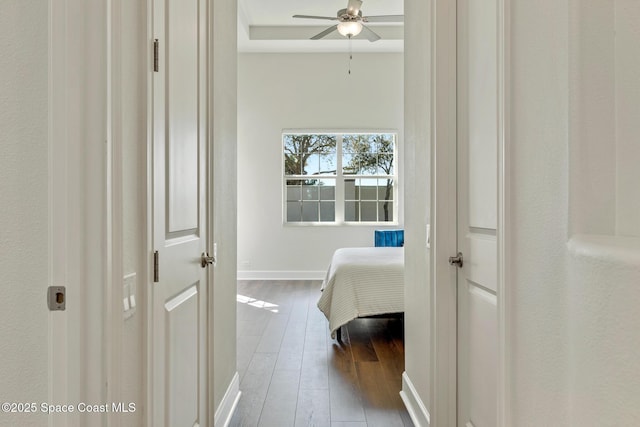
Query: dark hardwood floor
[[293, 373]]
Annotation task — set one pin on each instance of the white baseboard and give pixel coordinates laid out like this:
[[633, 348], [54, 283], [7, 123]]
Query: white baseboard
[[281, 275], [417, 411], [229, 402]]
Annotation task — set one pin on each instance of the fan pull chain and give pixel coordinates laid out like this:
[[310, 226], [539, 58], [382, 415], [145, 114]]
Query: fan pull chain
[[350, 54]]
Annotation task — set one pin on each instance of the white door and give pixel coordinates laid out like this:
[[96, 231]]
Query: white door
[[179, 297], [478, 133]]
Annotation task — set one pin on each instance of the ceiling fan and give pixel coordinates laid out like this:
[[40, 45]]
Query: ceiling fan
[[350, 22]]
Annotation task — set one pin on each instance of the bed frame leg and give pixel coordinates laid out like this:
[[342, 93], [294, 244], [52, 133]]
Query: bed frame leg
[[339, 334]]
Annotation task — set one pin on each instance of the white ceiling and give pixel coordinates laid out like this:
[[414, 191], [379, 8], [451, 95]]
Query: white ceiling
[[268, 26]]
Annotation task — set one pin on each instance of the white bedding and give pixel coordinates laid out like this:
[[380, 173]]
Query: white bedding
[[362, 282]]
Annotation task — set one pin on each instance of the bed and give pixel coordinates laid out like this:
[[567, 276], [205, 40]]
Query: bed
[[362, 282]]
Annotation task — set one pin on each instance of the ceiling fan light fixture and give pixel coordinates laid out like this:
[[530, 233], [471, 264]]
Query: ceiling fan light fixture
[[349, 28]]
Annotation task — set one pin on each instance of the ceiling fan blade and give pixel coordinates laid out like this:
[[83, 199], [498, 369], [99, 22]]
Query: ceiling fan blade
[[370, 35], [353, 7], [325, 33], [316, 17], [383, 18]]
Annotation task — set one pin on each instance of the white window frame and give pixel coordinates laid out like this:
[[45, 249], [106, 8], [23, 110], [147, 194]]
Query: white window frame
[[339, 177]]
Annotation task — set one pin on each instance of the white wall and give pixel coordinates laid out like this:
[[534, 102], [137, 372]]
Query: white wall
[[24, 269], [592, 118], [604, 369], [538, 200], [573, 147], [604, 118], [604, 264], [289, 91], [627, 107]]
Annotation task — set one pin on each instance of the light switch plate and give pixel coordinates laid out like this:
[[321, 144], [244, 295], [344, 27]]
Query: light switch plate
[[128, 295]]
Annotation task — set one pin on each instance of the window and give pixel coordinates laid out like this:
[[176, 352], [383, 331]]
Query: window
[[340, 178]]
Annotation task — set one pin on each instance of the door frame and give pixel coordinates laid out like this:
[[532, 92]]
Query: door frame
[[443, 213], [148, 215], [58, 128], [113, 292], [505, 317], [78, 135]]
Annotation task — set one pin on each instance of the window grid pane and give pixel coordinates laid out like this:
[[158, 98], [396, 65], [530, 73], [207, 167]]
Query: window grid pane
[[293, 192], [327, 211], [294, 211], [368, 211], [310, 211], [363, 194], [310, 192]]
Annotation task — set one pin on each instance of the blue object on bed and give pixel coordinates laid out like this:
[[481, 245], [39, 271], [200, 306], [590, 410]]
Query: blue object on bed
[[389, 238]]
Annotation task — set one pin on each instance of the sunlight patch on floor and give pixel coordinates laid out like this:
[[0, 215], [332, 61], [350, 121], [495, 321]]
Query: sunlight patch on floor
[[257, 303]]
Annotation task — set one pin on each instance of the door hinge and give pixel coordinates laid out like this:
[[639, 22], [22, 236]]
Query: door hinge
[[156, 267], [156, 49]]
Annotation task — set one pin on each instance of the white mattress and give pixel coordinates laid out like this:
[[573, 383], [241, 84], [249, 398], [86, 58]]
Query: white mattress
[[362, 282]]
